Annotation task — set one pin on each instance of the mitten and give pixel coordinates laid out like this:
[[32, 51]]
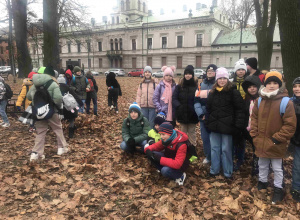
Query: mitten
[[156, 158], [131, 145], [149, 154]]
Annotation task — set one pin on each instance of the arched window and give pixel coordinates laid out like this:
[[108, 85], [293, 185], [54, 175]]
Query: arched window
[[122, 5], [139, 5], [144, 7], [121, 46], [112, 20], [116, 44], [111, 44], [118, 20], [127, 5]]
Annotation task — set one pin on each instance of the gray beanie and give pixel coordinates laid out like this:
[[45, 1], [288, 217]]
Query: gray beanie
[[148, 68], [61, 79]]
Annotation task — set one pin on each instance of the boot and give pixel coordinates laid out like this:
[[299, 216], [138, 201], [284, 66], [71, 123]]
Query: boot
[[71, 132], [278, 195]]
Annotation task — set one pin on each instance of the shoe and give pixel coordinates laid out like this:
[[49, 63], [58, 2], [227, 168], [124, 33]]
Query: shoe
[[193, 159], [180, 180], [2, 123], [34, 157], [5, 125], [31, 129], [206, 161], [295, 195], [262, 185], [212, 175], [278, 195], [111, 107], [62, 150], [117, 112]]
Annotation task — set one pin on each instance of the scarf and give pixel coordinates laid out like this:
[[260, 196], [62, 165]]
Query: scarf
[[269, 94], [170, 139], [219, 88], [167, 98]]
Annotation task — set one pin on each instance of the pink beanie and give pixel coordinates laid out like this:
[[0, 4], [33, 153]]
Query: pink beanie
[[168, 70], [222, 73]]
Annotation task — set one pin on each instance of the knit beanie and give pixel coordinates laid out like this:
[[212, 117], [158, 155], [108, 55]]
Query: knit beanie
[[222, 73], [41, 70], [240, 65], [166, 128], [76, 69], [148, 68], [168, 70], [160, 118], [273, 76], [252, 61], [135, 107], [189, 69], [296, 81], [61, 79], [30, 75], [212, 67], [49, 70]]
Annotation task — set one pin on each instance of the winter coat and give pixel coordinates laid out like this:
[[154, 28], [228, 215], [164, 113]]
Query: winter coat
[[183, 103], [92, 94], [296, 138], [268, 127], [153, 134], [80, 84], [27, 83], [112, 82], [200, 103], [225, 111], [69, 78], [53, 89], [144, 97], [135, 130], [159, 104], [238, 82], [173, 157], [260, 75]]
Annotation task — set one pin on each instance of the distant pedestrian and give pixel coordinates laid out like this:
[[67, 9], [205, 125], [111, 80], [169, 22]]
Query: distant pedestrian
[[5, 94], [114, 91], [91, 94]]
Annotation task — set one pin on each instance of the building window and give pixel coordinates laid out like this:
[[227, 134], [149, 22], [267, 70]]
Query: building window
[[133, 44], [112, 20], [149, 61], [60, 48], [121, 44], [100, 46], [122, 5], [179, 41], [217, 61], [179, 62], [230, 61], [79, 62], [69, 48], [78, 47], [111, 44], [100, 62], [198, 61], [116, 44], [127, 5], [139, 5], [144, 7], [88, 46], [199, 40], [164, 42], [133, 62], [246, 46], [164, 61], [118, 20], [149, 43]]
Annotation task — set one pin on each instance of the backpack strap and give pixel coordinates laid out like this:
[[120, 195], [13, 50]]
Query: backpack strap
[[128, 122], [153, 85], [283, 104], [259, 101], [73, 79], [142, 122], [141, 86], [86, 80], [48, 83]]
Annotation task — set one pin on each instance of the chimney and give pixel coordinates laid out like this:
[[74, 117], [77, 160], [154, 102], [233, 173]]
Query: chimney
[[184, 8], [198, 6], [162, 11]]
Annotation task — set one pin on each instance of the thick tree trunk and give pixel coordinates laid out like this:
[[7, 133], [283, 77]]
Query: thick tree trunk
[[51, 33], [19, 8], [289, 25]]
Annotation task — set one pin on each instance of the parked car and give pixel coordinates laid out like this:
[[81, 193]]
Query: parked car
[[94, 73], [159, 73], [118, 72], [7, 69], [137, 72], [199, 73]]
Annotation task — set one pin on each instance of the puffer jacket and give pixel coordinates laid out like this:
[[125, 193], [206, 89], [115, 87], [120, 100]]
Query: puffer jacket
[[159, 104], [174, 157], [80, 84], [270, 131], [27, 83], [135, 129], [296, 138], [225, 111], [144, 96]]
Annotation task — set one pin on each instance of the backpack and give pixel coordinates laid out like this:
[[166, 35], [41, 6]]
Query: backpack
[[74, 80], [43, 107], [191, 150], [153, 85], [9, 93], [128, 123], [283, 104], [70, 102], [91, 85], [2, 90]]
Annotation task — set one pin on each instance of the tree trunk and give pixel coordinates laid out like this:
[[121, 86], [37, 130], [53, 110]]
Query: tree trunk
[[51, 33], [289, 26], [19, 8]]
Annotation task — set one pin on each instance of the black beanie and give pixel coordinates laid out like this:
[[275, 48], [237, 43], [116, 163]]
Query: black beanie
[[212, 66], [160, 118], [49, 70], [296, 81], [252, 61], [189, 69]]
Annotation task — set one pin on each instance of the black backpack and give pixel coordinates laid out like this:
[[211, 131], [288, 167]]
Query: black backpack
[[191, 150], [43, 107], [9, 93]]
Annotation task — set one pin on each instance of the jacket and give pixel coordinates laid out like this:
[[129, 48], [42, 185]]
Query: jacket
[[135, 130], [225, 111], [27, 83], [270, 131], [183, 103], [174, 157], [92, 94], [112, 82], [260, 75], [296, 138], [159, 104], [144, 96], [153, 134], [238, 82], [80, 84], [69, 76]]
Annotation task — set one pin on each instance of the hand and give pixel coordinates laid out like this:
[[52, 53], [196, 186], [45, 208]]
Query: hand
[[19, 108], [150, 142], [87, 89], [131, 145], [149, 154], [60, 117], [203, 118]]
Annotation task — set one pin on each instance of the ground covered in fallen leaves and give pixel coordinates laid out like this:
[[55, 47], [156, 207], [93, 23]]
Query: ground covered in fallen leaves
[[96, 180]]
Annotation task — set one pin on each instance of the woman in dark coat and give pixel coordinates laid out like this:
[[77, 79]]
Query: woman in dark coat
[[114, 91]]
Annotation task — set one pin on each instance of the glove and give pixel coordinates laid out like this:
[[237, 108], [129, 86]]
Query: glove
[[149, 154], [131, 145], [61, 117], [19, 108], [61, 114], [153, 157]]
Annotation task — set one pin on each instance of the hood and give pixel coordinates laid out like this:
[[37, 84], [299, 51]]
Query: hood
[[111, 75], [69, 72], [249, 80], [40, 79], [181, 137], [27, 82], [282, 92]]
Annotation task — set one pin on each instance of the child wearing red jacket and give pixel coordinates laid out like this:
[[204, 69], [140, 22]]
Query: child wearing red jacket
[[173, 161]]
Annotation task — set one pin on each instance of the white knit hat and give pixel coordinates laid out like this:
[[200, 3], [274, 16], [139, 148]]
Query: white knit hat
[[240, 65]]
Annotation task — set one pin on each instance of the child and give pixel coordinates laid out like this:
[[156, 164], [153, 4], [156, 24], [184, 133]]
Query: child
[[169, 155], [251, 64], [270, 132], [114, 90], [69, 77], [162, 98], [225, 117], [4, 89], [135, 129], [145, 95], [153, 135], [200, 108], [91, 94]]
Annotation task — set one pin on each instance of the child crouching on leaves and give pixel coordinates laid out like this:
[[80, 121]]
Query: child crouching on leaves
[[135, 129], [270, 130], [153, 135], [173, 161]]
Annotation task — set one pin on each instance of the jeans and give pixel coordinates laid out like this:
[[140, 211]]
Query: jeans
[[150, 114], [142, 144], [113, 95], [264, 165], [88, 105], [221, 151], [239, 152], [296, 169], [206, 141], [3, 104], [81, 109]]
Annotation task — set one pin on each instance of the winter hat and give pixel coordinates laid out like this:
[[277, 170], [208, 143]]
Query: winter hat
[[148, 68], [135, 107], [61, 79], [189, 69], [249, 81], [252, 61], [160, 118], [296, 81], [49, 70], [166, 128], [273, 76], [41, 70], [222, 73], [30, 75], [76, 69], [168, 70], [212, 67], [240, 65], [69, 72]]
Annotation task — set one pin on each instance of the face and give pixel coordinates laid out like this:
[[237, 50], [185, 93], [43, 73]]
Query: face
[[210, 73], [252, 90], [240, 73], [296, 90], [164, 136], [156, 127], [68, 76], [272, 86], [147, 75], [188, 76], [168, 78], [134, 115], [222, 82], [78, 73]]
